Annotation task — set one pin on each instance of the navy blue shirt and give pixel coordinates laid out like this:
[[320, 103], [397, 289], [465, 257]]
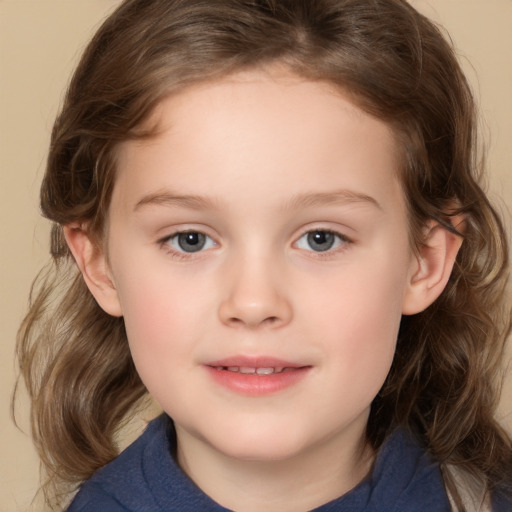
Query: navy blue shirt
[[146, 478]]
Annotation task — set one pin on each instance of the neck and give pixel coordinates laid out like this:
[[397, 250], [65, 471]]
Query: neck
[[322, 474]]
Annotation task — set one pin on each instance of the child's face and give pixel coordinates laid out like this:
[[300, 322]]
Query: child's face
[[297, 256]]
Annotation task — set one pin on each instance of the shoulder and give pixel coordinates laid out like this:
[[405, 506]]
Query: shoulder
[[144, 478], [406, 474], [122, 484], [93, 497], [404, 478], [501, 503]]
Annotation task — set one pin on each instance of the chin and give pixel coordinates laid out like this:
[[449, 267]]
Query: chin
[[261, 448]]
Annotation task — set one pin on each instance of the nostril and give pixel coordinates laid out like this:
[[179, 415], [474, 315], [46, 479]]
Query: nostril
[[235, 321]]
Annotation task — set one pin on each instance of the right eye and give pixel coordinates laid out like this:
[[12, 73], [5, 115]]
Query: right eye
[[189, 242]]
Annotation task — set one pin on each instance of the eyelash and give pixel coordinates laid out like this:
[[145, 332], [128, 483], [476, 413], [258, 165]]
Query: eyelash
[[166, 243], [340, 240]]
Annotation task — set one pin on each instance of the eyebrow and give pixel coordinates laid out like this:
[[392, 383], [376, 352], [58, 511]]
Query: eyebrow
[[169, 199], [331, 198], [300, 201]]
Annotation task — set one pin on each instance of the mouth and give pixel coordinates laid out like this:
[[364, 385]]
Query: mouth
[[251, 370], [256, 376]]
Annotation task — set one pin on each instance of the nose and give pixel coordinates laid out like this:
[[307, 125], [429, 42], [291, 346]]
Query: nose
[[254, 296]]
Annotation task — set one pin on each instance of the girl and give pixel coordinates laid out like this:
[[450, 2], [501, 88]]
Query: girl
[[267, 215]]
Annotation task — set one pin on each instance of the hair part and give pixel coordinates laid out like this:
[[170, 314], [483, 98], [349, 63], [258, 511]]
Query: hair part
[[445, 379]]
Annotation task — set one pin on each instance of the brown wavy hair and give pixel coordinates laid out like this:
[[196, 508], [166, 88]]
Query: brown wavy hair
[[397, 65]]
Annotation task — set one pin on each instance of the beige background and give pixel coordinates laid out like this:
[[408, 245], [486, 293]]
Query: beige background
[[40, 41]]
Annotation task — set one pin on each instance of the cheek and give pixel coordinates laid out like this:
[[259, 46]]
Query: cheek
[[161, 337], [168, 314], [370, 346], [360, 317], [160, 314], [147, 311]]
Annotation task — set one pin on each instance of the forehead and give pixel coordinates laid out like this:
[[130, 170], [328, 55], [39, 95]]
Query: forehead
[[255, 92], [250, 126]]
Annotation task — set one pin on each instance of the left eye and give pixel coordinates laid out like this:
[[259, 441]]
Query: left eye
[[320, 240], [190, 241]]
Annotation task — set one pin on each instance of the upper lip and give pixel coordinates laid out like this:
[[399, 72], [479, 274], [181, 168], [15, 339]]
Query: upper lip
[[254, 362]]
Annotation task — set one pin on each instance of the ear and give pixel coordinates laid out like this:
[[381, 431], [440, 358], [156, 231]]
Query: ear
[[432, 267], [92, 262]]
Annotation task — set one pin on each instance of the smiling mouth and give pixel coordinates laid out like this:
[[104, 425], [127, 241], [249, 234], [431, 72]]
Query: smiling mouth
[[246, 370], [257, 379], [257, 375]]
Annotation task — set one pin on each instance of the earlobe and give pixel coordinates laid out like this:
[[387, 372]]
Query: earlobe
[[432, 268], [92, 263]]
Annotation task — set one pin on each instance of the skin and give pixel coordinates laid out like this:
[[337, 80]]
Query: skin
[[257, 161]]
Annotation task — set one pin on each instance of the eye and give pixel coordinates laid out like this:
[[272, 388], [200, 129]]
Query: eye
[[189, 242], [321, 240]]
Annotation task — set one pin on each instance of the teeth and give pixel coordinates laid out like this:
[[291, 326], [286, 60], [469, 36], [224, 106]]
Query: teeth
[[265, 371], [253, 371]]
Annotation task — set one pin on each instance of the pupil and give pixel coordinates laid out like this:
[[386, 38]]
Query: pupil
[[191, 242], [320, 240]]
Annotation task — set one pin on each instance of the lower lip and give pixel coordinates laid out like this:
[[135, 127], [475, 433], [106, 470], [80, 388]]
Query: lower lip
[[257, 385]]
